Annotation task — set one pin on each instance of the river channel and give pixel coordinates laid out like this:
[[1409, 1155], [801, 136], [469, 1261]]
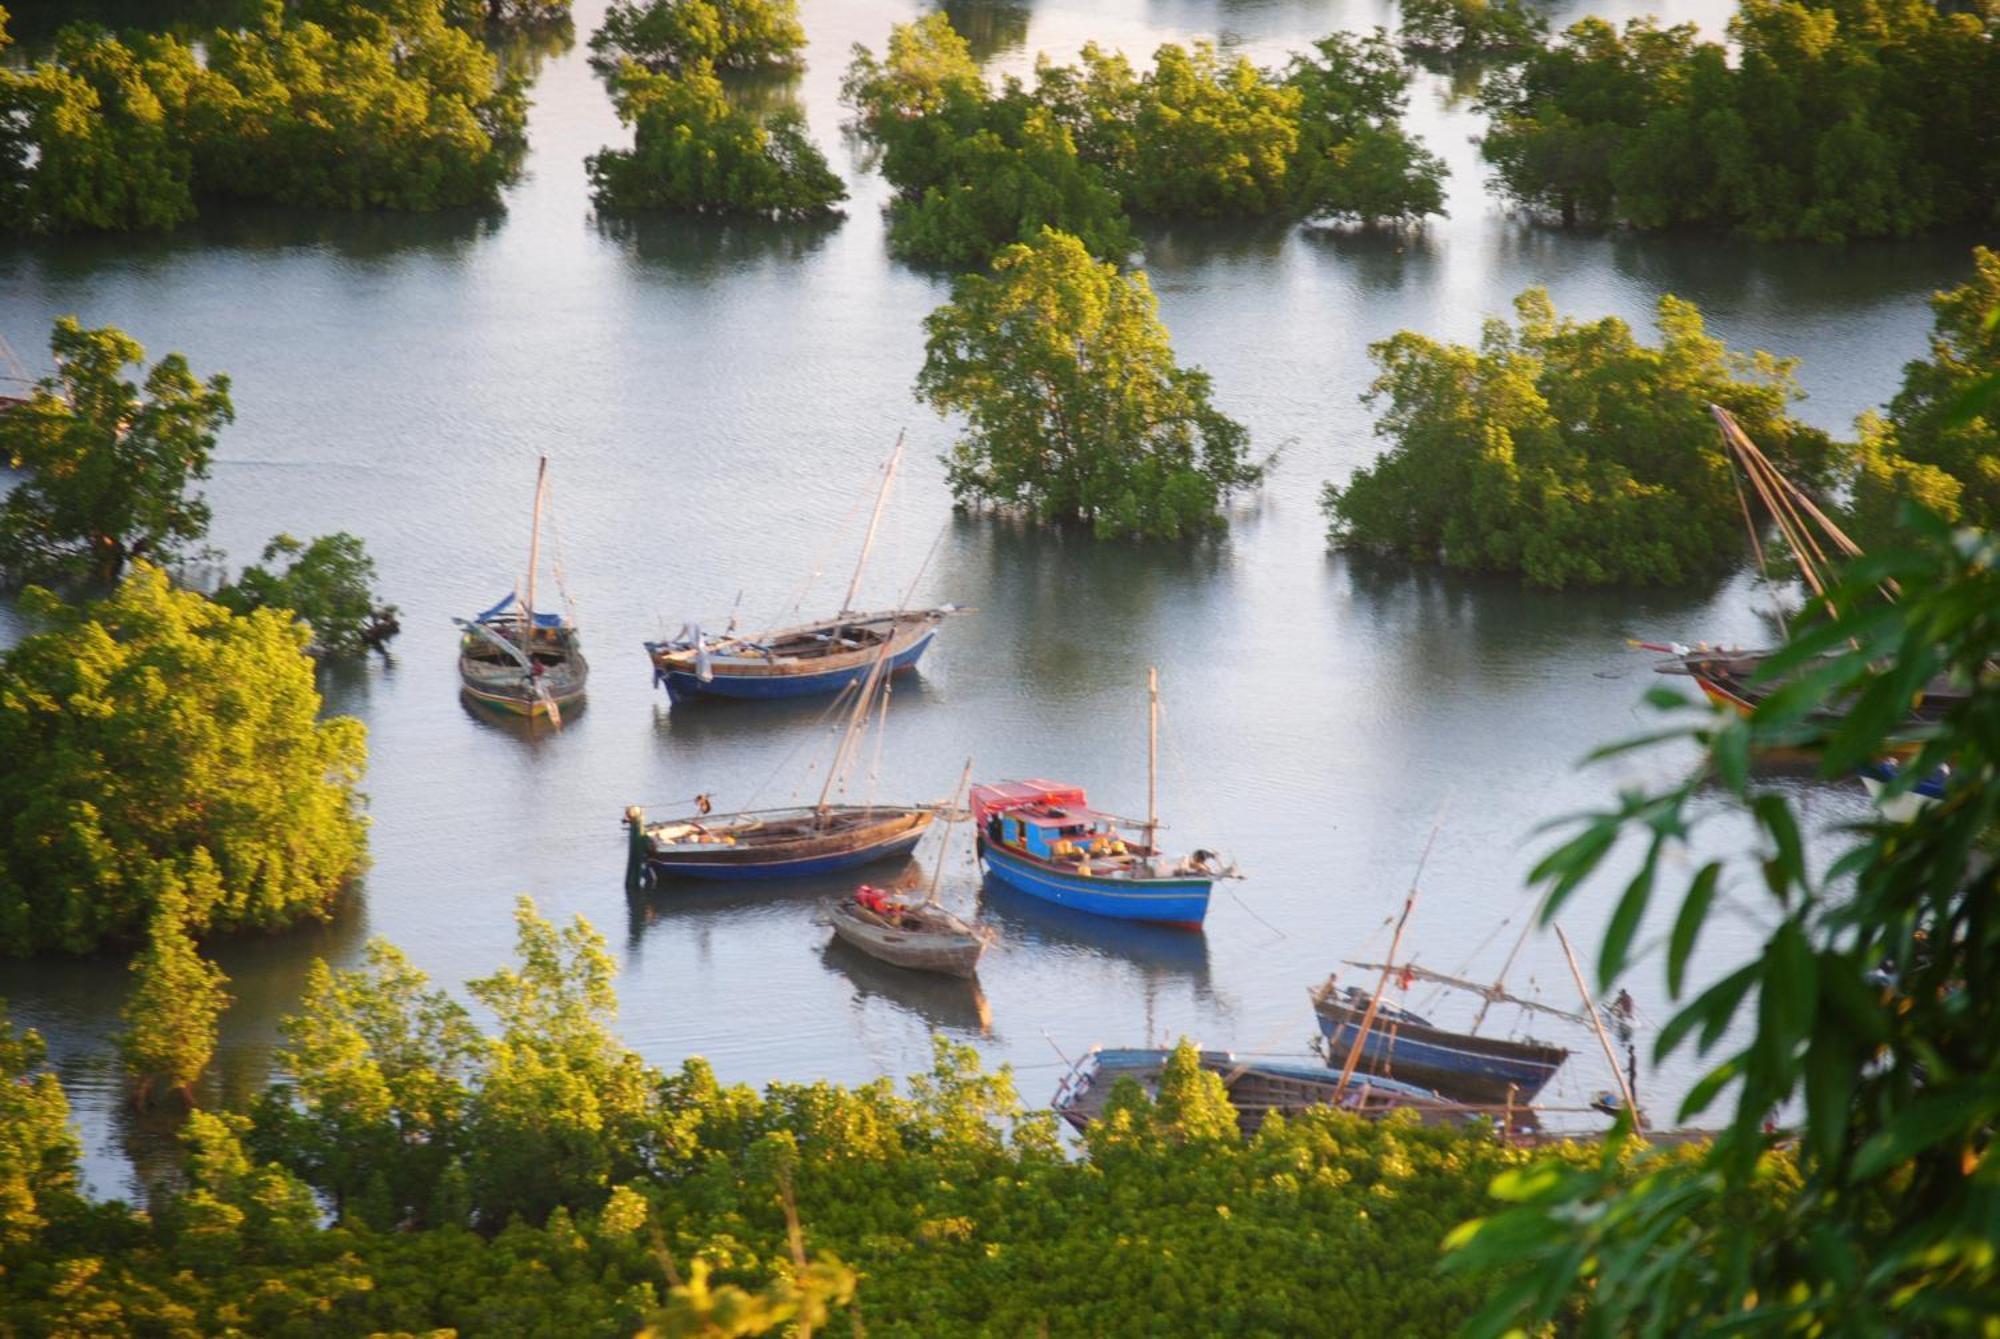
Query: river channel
[[715, 399]]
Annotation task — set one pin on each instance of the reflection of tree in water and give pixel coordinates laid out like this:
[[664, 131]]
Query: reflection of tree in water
[[762, 93], [522, 51], [708, 248], [989, 27]]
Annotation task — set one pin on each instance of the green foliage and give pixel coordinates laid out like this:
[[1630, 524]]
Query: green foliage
[[1838, 119], [1355, 160], [694, 152], [667, 35], [1569, 453], [329, 585], [1196, 136], [1939, 445], [1865, 1001], [107, 466], [177, 998], [38, 1150], [155, 738], [378, 1085], [89, 138], [973, 172], [1471, 29], [388, 106], [1075, 409]]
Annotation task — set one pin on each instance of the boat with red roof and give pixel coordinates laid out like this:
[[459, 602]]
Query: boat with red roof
[[1043, 838]]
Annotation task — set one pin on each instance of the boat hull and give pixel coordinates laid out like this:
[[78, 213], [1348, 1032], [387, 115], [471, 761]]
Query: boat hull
[[745, 672], [1255, 1088], [1472, 1069], [949, 954], [896, 835], [1175, 901], [517, 705]]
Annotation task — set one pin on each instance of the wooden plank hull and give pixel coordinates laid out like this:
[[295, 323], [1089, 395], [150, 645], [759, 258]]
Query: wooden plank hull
[[1470, 1068], [858, 837], [951, 952], [1181, 901], [752, 676]]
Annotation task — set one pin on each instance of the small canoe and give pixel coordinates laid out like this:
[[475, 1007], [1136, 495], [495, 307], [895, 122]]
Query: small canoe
[[920, 937], [1256, 1088], [773, 843]]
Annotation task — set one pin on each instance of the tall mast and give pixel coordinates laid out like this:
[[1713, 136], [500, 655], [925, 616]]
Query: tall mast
[[950, 817], [855, 722], [1388, 966], [1500, 981], [535, 547], [1152, 761], [868, 540]]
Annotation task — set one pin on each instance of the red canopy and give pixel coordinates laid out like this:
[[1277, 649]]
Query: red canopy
[[1000, 796]]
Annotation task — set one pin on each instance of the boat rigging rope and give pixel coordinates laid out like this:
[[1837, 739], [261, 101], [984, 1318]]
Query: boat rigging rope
[[805, 737], [818, 569]]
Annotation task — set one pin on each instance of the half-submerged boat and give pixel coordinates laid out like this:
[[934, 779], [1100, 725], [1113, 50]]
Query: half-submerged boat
[[1405, 1045], [795, 842], [1044, 839], [804, 659], [1256, 1088], [921, 936], [516, 658]]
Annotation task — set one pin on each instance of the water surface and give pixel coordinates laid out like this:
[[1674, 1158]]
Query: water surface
[[715, 397]]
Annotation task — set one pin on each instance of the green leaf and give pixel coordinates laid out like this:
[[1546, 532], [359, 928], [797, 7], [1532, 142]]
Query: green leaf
[[1926, 1122], [1625, 920], [1711, 1011], [1687, 926]]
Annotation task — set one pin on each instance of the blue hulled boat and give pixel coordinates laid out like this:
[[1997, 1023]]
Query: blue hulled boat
[[824, 656], [1044, 839], [1463, 1065], [1256, 1087]]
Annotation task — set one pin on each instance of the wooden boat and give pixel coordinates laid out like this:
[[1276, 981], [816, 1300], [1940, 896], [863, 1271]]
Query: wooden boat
[[1042, 838], [775, 843], [921, 936], [1460, 1065], [823, 656], [1256, 1088], [516, 658], [1880, 775], [783, 843], [1733, 676]]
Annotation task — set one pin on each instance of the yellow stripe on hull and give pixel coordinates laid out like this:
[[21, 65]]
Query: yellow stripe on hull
[[519, 706]]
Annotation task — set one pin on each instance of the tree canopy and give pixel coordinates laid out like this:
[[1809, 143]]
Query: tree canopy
[[389, 107], [176, 999], [1461, 30], [156, 740], [694, 152], [668, 35], [1838, 119], [1854, 989], [107, 463], [1939, 443], [1569, 452], [328, 585], [616, 1198], [1075, 409], [1194, 137]]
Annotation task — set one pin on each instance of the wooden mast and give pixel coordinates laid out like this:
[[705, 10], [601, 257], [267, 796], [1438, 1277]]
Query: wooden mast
[[863, 705], [1152, 763], [1610, 1057], [1388, 966], [535, 549], [944, 848], [1500, 981], [868, 540]]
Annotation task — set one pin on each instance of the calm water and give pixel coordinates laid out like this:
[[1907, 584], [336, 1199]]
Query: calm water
[[714, 399]]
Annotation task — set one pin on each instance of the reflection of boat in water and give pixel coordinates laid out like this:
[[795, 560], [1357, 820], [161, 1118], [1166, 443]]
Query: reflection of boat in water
[[1256, 1087], [944, 1003], [1044, 839], [818, 657], [517, 659], [1151, 948]]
